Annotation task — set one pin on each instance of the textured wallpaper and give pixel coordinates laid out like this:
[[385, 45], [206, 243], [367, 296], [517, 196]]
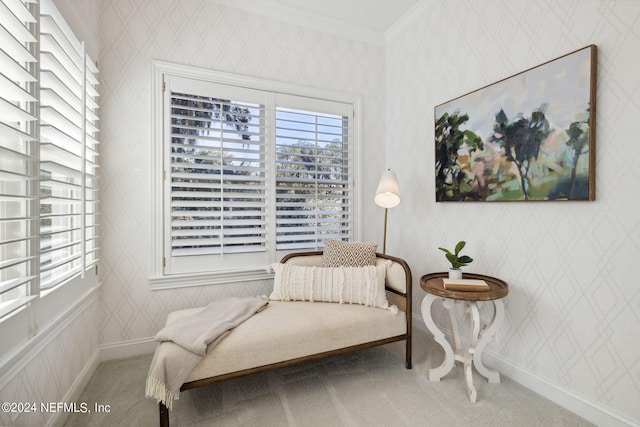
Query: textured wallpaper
[[573, 311], [203, 34]]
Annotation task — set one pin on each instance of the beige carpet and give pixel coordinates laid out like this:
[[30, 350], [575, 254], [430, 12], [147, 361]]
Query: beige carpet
[[366, 388]]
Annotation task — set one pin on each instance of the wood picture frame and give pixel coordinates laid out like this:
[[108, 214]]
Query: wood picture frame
[[528, 137]]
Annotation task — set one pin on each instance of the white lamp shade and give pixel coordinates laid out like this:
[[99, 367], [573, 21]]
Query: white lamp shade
[[388, 192]]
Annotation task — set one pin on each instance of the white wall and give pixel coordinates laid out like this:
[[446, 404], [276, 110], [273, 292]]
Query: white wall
[[573, 311], [203, 34]]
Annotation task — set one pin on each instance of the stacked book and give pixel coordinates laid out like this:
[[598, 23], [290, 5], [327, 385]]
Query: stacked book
[[469, 285]]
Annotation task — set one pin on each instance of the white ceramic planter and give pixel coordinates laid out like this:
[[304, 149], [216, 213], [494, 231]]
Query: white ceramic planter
[[455, 273]]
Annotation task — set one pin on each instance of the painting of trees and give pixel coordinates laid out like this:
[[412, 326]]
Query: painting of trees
[[452, 178], [528, 137], [521, 140], [578, 143]]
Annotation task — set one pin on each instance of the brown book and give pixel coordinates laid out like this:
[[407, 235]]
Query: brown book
[[469, 285]]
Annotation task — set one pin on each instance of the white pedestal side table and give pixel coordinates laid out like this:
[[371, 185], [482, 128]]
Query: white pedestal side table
[[471, 354]]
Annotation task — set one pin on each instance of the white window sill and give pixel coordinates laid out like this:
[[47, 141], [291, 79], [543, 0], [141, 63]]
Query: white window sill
[[206, 279]]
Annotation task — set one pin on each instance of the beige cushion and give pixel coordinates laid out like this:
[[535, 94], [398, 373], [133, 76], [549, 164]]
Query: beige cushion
[[337, 253], [352, 285], [289, 330], [396, 277]]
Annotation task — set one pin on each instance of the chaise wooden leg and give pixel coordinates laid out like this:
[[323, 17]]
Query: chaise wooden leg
[[164, 415], [408, 354]]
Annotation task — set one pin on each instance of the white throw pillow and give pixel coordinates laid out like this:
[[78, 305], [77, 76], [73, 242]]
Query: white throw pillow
[[349, 285]]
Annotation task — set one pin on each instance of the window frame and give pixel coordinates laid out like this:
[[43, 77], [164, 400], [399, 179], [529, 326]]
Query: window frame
[[159, 279]]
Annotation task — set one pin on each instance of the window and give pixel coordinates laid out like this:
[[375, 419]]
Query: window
[[250, 170], [48, 167], [215, 176], [18, 157], [314, 185], [68, 153]]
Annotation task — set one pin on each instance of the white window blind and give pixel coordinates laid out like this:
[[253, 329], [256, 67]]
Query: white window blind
[[313, 180], [217, 175], [68, 153], [48, 169], [18, 156], [251, 174], [91, 163]]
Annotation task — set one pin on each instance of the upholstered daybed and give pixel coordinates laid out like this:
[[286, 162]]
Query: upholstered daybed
[[291, 332]]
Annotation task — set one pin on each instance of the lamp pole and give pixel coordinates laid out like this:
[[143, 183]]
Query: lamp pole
[[384, 242]]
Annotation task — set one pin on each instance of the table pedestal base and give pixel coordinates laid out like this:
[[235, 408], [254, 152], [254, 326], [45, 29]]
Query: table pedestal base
[[471, 354]]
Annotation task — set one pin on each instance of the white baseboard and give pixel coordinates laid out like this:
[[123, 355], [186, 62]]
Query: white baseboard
[[591, 411], [124, 349], [568, 399], [75, 391]]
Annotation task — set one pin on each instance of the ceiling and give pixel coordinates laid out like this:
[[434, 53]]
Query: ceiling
[[377, 15], [366, 20]]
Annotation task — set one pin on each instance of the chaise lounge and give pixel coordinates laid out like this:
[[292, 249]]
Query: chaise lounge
[[289, 332]]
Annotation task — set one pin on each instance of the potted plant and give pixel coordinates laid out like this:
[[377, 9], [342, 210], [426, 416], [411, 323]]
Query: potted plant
[[457, 260]]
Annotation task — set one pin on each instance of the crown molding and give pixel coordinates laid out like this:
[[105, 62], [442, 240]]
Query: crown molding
[[274, 9]]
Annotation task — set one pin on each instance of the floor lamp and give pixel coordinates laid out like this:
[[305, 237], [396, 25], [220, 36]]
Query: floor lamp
[[387, 196]]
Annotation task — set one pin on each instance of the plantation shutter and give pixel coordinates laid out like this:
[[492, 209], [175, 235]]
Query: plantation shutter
[[217, 175], [249, 173], [18, 156], [48, 155], [67, 151], [91, 143], [314, 194]]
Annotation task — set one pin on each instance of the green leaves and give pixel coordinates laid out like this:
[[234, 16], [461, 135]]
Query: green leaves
[[521, 140], [464, 260], [454, 258], [453, 182]]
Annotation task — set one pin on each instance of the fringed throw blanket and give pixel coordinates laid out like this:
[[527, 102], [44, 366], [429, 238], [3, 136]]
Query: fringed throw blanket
[[186, 340]]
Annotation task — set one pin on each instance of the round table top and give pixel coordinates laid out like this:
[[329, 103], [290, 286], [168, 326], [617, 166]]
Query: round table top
[[432, 283]]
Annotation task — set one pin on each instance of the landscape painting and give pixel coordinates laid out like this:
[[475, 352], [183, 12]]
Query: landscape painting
[[530, 137]]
